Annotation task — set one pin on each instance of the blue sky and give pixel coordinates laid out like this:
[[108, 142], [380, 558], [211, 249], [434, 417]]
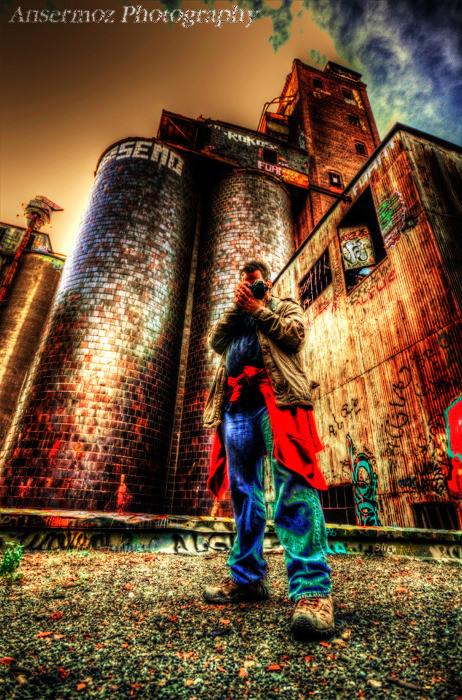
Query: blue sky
[[409, 52]]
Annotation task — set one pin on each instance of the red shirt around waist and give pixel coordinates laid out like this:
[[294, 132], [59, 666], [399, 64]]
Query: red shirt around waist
[[296, 440]]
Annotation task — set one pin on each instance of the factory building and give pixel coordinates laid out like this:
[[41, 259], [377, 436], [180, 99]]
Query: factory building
[[363, 234]]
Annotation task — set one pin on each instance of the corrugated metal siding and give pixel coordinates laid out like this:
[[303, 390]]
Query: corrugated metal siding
[[388, 354]]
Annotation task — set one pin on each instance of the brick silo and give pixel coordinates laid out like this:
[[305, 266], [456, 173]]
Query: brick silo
[[92, 429], [246, 215], [22, 321]]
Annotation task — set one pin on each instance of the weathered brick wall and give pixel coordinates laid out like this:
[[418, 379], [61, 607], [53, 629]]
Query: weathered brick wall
[[95, 420], [21, 322], [246, 215], [330, 138]]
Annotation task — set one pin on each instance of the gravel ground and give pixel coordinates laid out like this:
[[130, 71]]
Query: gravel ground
[[123, 625]]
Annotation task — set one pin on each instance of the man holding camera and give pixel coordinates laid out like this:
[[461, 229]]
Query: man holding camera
[[260, 402]]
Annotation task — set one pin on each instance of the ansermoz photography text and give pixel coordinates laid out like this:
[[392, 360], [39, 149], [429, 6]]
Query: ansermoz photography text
[[131, 14]]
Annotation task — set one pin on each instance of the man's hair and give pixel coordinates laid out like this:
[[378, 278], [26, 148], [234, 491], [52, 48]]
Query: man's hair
[[253, 266]]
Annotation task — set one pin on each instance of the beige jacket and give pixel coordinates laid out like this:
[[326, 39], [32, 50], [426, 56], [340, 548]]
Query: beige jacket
[[281, 331]]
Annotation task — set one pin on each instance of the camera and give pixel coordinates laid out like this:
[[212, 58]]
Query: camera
[[258, 289]]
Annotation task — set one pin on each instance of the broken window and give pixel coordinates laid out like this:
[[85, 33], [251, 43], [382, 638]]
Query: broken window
[[360, 148], [318, 84], [361, 242], [347, 94], [315, 281], [353, 119]]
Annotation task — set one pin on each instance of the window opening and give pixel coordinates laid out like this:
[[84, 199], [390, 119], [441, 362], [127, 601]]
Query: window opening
[[361, 242], [335, 179], [353, 119], [270, 156], [436, 516], [315, 281], [338, 504], [347, 94], [360, 148], [318, 84]]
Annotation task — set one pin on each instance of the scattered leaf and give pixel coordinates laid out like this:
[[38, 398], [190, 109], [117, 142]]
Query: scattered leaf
[[243, 673], [339, 643], [43, 634], [7, 660]]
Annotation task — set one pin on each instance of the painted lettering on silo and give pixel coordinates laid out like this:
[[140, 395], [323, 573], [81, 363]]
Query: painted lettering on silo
[[247, 215], [94, 424]]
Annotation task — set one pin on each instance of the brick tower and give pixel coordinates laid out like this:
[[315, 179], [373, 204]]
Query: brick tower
[[328, 113]]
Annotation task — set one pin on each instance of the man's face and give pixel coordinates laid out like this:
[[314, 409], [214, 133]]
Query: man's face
[[249, 278]]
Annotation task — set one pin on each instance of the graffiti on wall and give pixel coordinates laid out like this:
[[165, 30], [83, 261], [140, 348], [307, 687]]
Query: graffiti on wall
[[147, 150], [437, 450], [41, 243], [349, 408], [372, 285], [269, 167], [449, 342], [428, 455], [391, 214], [364, 485], [453, 417], [10, 240], [357, 247]]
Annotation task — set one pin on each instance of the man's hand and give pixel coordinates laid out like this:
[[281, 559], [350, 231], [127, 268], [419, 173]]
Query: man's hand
[[246, 300]]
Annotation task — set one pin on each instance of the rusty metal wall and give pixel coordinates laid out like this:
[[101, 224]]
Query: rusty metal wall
[[21, 322], [387, 352], [246, 215], [93, 427]]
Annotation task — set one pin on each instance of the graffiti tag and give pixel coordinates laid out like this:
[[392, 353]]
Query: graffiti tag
[[365, 486]]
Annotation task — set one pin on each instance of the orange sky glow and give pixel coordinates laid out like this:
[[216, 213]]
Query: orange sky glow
[[70, 90]]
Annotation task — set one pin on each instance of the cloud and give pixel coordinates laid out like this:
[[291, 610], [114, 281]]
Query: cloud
[[408, 51], [410, 55]]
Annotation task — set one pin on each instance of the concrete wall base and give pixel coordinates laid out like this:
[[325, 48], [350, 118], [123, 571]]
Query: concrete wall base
[[50, 530]]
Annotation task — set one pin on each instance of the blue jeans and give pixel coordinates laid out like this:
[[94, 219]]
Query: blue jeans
[[298, 517]]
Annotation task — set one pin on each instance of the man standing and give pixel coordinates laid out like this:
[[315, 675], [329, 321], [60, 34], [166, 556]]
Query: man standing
[[260, 402]]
